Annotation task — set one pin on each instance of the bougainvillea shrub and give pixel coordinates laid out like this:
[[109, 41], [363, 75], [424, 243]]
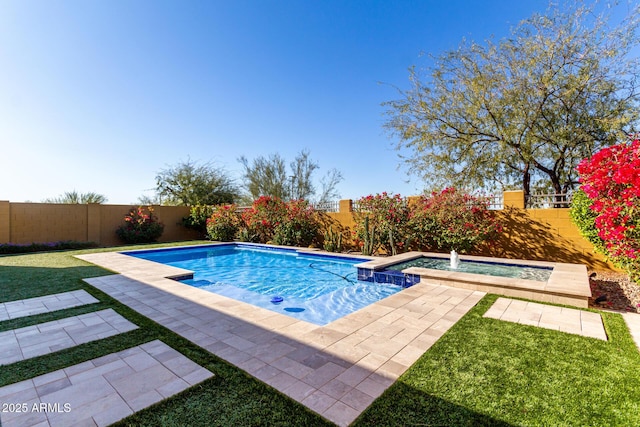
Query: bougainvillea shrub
[[441, 221], [299, 227], [611, 179], [265, 214], [140, 226], [452, 220], [224, 223], [381, 221]]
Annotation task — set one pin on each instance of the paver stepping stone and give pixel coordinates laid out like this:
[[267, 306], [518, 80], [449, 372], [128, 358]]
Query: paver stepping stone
[[44, 304], [633, 323], [100, 391], [36, 340], [563, 319]]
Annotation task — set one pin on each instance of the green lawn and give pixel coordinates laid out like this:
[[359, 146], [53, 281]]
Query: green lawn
[[482, 372]]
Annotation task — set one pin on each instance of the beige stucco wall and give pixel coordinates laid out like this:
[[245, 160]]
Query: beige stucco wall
[[24, 223]]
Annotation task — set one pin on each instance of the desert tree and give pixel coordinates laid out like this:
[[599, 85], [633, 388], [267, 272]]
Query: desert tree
[[523, 110], [269, 176], [189, 183], [75, 198]]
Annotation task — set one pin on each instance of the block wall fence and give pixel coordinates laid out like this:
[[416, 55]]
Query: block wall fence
[[536, 234], [25, 223]]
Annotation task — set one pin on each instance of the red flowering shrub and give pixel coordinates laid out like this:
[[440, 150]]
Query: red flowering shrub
[[611, 179], [451, 220], [268, 220], [381, 221], [299, 227], [224, 223], [261, 219], [140, 226]]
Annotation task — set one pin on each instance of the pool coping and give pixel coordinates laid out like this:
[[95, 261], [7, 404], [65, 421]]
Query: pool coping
[[336, 370], [568, 283]]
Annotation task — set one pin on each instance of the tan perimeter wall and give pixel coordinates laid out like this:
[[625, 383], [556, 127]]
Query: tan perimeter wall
[[25, 223], [536, 234], [544, 234]]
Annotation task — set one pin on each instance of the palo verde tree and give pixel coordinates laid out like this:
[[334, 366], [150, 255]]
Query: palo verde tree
[[525, 110], [268, 176], [189, 183]]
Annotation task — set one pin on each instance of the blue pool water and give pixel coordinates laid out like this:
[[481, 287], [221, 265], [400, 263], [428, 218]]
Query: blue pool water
[[313, 287]]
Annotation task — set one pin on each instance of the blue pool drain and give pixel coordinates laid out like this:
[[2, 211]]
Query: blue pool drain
[[277, 300]]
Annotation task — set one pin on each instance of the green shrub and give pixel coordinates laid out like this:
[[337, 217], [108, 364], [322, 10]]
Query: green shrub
[[224, 223], [197, 219], [246, 235], [585, 219], [332, 241], [140, 226]]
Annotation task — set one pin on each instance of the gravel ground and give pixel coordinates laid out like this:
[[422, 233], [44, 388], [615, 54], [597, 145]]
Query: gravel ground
[[614, 291]]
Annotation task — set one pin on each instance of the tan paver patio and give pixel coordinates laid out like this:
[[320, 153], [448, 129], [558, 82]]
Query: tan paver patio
[[44, 338], [101, 391], [563, 319], [44, 304], [336, 370]]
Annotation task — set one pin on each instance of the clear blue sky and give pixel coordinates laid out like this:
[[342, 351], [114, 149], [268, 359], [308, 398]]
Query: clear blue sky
[[101, 95]]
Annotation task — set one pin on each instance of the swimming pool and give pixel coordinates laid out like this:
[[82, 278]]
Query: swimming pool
[[313, 287]]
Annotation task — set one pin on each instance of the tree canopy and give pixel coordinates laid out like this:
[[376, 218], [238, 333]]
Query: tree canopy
[[75, 198], [189, 183], [525, 110], [268, 176]]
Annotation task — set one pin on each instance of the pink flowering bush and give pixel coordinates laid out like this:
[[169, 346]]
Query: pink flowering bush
[[224, 223], [381, 222], [269, 219], [299, 227], [452, 220], [441, 221], [265, 214], [140, 226], [611, 179]]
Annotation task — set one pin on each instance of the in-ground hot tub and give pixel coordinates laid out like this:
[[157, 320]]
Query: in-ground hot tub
[[544, 281]]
